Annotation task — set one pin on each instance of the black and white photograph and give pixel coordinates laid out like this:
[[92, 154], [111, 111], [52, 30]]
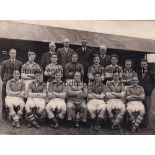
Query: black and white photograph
[[84, 77]]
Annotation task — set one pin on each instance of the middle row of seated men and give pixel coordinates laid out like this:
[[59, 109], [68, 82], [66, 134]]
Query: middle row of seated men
[[96, 98]]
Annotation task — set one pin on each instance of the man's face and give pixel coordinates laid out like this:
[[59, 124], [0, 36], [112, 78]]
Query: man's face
[[66, 43], [97, 77], [16, 75], [58, 76], [135, 82], [84, 43], [12, 54], [103, 51], [144, 65], [32, 57], [77, 77], [114, 61], [74, 58], [38, 76], [96, 60], [52, 47], [116, 76], [54, 59], [128, 64]]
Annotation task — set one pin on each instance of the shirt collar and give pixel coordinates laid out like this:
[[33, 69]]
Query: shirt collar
[[37, 82], [103, 56], [54, 81], [52, 64], [52, 52], [96, 66], [17, 81], [128, 69], [144, 71], [115, 82], [135, 86], [28, 63], [83, 48], [66, 48], [113, 65], [12, 60]]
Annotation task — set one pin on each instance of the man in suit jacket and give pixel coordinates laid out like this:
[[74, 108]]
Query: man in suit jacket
[[147, 81], [7, 69], [65, 53], [85, 57], [46, 57], [104, 58]]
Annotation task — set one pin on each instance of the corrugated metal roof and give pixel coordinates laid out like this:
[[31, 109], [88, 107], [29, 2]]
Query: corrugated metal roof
[[14, 30]]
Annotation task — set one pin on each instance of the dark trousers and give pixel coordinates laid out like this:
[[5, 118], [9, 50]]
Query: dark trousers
[[4, 109], [147, 105], [85, 77]]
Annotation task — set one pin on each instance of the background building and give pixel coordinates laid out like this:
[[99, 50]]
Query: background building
[[28, 35]]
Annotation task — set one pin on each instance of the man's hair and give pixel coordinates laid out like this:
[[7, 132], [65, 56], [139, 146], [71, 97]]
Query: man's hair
[[77, 73], [58, 71], [103, 46], [66, 39], [75, 54], [16, 71], [53, 55], [84, 39], [31, 53], [116, 70], [52, 42], [114, 55], [96, 55], [128, 60], [143, 60], [135, 78], [12, 49], [97, 73]]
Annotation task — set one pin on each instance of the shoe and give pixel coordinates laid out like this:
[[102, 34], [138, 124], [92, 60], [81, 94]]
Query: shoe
[[133, 129], [54, 123], [18, 125], [114, 127], [35, 125], [70, 124], [100, 122], [29, 124], [14, 124], [55, 126], [95, 127], [100, 126]]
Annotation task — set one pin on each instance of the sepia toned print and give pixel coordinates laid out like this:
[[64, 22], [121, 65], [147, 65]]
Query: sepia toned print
[[69, 81]]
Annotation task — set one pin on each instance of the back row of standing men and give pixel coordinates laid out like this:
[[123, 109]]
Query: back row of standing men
[[69, 62]]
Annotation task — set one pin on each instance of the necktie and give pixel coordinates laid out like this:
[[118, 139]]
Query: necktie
[[13, 61], [66, 49]]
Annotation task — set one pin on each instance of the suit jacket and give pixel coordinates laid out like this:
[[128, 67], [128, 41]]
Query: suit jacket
[[105, 61], [63, 56], [45, 60], [147, 82], [85, 57], [8, 68]]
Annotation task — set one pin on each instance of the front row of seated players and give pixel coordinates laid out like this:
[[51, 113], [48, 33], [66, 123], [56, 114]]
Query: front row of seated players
[[96, 100]]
